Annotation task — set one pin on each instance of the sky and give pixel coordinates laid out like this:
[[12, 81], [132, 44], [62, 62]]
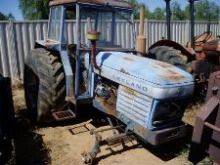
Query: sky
[[12, 6]]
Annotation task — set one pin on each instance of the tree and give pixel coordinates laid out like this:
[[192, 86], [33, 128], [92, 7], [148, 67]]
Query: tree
[[204, 10], [6, 17], [159, 14], [177, 12], [135, 4], [35, 9], [148, 13], [207, 10], [3, 17]]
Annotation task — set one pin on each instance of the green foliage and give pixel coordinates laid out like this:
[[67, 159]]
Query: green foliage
[[187, 12], [177, 12], [3, 17], [6, 17], [148, 13], [206, 10], [34, 9], [134, 4], [159, 14]]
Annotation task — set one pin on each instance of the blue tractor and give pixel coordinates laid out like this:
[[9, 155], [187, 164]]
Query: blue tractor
[[148, 97]]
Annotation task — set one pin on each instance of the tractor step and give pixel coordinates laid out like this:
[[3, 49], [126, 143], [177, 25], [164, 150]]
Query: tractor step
[[64, 115]]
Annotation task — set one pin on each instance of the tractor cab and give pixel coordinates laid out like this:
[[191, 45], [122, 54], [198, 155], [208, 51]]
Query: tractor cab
[[98, 15], [76, 18]]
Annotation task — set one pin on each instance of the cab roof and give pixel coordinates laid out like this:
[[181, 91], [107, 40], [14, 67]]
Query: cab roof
[[115, 3]]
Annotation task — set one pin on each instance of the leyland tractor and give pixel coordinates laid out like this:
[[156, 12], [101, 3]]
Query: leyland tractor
[[147, 96]]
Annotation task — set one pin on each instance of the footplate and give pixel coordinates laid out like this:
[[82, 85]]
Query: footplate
[[64, 115]]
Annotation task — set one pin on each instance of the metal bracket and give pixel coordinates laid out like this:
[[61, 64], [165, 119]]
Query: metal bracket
[[68, 74], [117, 138]]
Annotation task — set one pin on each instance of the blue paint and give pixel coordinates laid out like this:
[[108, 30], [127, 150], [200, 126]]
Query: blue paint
[[149, 70]]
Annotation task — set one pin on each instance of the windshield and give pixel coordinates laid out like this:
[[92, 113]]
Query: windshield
[[109, 22]]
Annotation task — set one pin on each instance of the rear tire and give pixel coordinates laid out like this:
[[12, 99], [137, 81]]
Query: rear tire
[[44, 85], [168, 55]]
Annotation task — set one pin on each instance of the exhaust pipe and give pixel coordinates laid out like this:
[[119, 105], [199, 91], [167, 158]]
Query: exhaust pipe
[[141, 40], [93, 36]]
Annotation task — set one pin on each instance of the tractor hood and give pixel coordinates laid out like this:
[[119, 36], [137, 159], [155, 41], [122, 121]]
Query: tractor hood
[[150, 77]]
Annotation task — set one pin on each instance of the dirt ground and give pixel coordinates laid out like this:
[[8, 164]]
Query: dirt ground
[[63, 143]]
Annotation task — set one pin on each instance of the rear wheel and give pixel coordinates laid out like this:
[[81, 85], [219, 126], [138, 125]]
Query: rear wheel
[[169, 55], [44, 85]]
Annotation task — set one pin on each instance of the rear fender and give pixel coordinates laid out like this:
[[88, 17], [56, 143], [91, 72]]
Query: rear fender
[[47, 44]]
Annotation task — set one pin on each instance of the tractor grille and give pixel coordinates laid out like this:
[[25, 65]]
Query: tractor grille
[[134, 105]]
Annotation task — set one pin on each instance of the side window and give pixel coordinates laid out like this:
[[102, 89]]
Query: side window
[[70, 25], [55, 23]]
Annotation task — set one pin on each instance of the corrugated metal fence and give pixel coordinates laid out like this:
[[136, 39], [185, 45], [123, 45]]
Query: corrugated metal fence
[[17, 38]]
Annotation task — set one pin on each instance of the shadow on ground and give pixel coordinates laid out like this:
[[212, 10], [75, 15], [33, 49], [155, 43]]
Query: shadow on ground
[[29, 147], [165, 152]]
